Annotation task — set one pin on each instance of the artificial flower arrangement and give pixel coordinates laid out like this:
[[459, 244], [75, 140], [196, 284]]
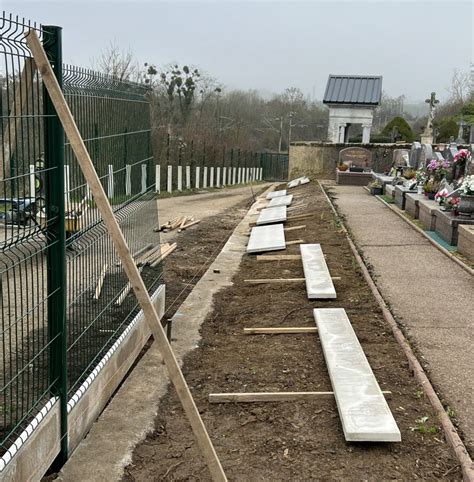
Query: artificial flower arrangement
[[438, 169], [452, 204], [462, 156], [441, 196], [421, 176], [467, 186]]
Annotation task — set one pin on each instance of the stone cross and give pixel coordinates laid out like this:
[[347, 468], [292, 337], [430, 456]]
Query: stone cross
[[432, 101]]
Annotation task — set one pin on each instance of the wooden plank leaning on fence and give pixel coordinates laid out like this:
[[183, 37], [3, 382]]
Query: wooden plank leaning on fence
[[23, 92], [123, 251]]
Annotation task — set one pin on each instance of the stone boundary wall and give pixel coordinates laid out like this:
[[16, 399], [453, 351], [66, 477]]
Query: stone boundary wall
[[321, 158]]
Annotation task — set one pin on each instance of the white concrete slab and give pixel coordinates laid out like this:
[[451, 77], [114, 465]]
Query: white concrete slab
[[281, 201], [272, 215], [273, 194], [298, 181], [266, 238], [319, 284], [364, 412]]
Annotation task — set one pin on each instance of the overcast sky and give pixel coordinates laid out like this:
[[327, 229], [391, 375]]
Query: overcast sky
[[269, 45]]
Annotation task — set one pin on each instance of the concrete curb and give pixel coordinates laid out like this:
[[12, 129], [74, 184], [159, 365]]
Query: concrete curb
[[450, 432]]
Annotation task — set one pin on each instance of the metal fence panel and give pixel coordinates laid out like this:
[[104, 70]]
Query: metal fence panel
[[64, 294]]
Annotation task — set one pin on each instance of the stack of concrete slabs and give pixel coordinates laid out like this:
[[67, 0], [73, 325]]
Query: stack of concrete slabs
[[363, 410], [272, 215], [274, 194], [298, 181], [266, 238], [319, 284], [281, 201]]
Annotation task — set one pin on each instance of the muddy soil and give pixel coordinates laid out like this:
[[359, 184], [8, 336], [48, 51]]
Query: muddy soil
[[291, 440]]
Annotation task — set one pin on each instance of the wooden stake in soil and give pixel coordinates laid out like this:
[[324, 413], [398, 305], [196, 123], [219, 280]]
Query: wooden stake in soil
[[123, 251]]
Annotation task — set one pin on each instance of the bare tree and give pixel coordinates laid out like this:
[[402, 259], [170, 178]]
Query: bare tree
[[119, 63], [460, 86]]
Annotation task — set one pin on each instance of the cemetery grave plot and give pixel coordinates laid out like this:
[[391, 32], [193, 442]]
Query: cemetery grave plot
[[298, 440]]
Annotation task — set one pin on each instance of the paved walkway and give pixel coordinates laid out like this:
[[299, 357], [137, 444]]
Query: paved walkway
[[428, 293]]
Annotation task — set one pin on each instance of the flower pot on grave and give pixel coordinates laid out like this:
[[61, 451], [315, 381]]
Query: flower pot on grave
[[376, 191], [466, 205], [431, 196], [420, 189]]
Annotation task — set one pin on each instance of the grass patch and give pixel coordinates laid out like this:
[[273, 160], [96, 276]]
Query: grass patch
[[387, 199]]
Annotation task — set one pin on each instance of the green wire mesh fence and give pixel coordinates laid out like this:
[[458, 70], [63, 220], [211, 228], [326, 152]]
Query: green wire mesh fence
[[275, 166], [114, 119], [26, 345]]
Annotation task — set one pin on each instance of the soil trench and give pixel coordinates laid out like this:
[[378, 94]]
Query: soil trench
[[292, 440]]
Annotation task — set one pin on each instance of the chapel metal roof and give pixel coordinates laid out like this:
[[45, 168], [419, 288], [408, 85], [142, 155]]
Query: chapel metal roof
[[353, 89]]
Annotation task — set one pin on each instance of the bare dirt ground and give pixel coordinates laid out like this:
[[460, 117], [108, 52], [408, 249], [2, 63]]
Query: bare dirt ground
[[291, 440]]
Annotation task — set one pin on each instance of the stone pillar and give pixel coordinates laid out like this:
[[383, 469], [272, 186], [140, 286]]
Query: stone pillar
[[342, 133], [333, 130], [366, 133]]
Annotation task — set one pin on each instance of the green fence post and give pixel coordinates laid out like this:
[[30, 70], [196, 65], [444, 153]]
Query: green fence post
[[56, 251]]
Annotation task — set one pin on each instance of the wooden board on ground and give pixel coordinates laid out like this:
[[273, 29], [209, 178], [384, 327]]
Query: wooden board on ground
[[279, 330], [319, 284], [273, 280], [274, 194], [295, 228], [279, 257], [266, 238], [295, 241], [272, 215], [272, 397], [280, 201], [364, 413]]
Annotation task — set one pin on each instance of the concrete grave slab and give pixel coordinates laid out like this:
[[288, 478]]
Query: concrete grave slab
[[272, 215], [266, 238], [281, 201], [319, 284], [298, 181], [274, 194], [364, 412]]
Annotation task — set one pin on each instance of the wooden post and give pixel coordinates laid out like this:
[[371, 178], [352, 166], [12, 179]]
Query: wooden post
[[131, 270]]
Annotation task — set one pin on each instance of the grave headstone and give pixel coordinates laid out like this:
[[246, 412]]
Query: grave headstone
[[356, 156], [415, 154], [401, 158], [470, 163], [426, 155], [450, 152]]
